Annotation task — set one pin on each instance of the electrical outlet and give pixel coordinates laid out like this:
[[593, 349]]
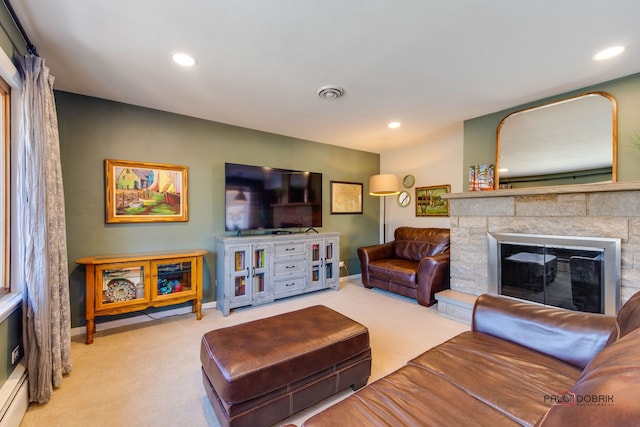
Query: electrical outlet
[[15, 354]]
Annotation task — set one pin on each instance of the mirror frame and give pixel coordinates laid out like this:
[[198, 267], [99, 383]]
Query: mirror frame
[[404, 199], [614, 136], [408, 181]]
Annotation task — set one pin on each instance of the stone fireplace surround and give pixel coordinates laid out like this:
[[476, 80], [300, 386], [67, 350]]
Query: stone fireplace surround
[[591, 210]]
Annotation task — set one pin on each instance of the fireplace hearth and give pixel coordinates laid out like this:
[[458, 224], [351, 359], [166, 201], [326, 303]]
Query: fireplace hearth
[[576, 273]]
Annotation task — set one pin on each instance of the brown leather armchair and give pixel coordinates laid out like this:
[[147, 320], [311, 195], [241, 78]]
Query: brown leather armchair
[[415, 264]]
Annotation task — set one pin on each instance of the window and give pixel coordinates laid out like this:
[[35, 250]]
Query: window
[[5, 183]]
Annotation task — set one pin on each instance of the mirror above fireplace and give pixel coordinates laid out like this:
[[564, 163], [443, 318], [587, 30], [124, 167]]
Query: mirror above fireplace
[[571, 141]]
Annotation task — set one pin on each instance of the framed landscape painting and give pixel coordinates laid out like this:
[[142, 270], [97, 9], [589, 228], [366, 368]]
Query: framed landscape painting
[[429, 201], [145, 192]]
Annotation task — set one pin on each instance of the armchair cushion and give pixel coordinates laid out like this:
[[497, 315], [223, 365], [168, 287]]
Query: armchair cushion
[[395, 270]]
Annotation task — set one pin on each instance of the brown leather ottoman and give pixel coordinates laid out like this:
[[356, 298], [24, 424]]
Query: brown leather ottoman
[[260, 372]]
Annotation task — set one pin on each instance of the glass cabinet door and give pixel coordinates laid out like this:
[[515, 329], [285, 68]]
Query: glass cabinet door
[[316, 253], [173, 277], [260, 271], [240, 269], [330, 261], [121, 284]]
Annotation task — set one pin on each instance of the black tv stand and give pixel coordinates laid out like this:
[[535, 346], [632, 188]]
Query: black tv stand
[[311, 229]]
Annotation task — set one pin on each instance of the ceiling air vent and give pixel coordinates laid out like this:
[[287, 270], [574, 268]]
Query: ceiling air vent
[[330, 92]]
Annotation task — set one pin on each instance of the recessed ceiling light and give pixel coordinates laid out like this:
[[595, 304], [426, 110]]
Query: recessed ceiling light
[[608, 53], [183, 59], [394, 125]]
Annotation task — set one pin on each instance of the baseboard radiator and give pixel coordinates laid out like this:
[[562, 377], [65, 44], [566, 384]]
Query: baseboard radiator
[[14, 397]]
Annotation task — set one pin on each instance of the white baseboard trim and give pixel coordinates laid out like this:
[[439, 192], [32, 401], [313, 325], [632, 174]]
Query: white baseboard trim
[[14, 397], [140, 318], [351, 277]]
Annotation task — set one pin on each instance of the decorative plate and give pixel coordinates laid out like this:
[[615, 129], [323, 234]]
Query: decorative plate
[[119, 290]]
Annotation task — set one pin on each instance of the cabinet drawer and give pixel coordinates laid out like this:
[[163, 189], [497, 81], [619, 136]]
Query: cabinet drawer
[[289, 248], [289, 285], [288, 266]]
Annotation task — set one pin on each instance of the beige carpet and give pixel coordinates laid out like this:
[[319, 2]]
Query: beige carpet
[[149, 374]]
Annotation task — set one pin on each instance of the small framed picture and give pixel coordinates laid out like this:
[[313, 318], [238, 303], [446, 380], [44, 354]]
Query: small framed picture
[[429, 201], [145, 192], [346, 197]]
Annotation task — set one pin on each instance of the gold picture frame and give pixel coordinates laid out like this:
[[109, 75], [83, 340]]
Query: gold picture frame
[[145, 192], [346, 197], [429, 201]]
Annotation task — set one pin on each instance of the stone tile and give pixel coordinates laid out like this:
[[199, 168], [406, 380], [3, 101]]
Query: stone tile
[[630, 278], [454, 253], [552, 205], [473, 222], [630, 254], [617, 203], [572, 226], [462, 270], [459, 235], [504, 206], [628, 260], [469, 286], [634, 227]]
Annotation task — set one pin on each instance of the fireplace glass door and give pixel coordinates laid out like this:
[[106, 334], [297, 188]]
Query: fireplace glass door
[[566, 277]]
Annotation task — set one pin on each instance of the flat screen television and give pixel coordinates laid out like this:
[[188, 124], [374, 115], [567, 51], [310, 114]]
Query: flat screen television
[[258, 197]]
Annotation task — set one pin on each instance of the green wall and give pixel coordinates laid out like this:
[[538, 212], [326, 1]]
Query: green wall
[[92, 130], [480, 133]]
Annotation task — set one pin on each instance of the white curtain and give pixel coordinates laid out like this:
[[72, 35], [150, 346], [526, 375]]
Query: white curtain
[[40, 198]]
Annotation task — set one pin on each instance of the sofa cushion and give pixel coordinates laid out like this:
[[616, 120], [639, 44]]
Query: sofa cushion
[[503, 375], [628, 318], [394, 270], [410, 396], [607, 391], [548, 330]]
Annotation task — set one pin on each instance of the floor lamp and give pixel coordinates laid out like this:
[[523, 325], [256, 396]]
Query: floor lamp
[[384, 185]]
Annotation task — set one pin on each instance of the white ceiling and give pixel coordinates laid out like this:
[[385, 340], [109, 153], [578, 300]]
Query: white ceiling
[[429, 64]]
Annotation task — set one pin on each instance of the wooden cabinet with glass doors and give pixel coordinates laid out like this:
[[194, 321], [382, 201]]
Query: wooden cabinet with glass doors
[[124, 283], [259, 269]]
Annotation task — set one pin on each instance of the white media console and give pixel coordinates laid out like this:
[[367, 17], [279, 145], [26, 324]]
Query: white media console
[[253, 270]]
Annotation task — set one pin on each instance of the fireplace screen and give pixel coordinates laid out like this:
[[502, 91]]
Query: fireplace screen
[[562, 277], [572, 276]]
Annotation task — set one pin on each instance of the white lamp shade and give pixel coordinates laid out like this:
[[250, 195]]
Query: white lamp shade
[[384, 185]]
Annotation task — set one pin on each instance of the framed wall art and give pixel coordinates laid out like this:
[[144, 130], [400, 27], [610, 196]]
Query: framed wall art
[[481, 177], [429, 201], [346, 197], [145, 192]]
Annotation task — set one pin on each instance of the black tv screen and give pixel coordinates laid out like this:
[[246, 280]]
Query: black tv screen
[[259, 197]]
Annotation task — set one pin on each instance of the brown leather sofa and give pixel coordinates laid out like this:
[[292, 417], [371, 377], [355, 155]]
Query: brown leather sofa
[[415, 264], [521, 364]]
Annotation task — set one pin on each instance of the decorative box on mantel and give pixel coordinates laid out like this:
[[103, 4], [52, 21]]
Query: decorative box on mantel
[[610, 210]]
